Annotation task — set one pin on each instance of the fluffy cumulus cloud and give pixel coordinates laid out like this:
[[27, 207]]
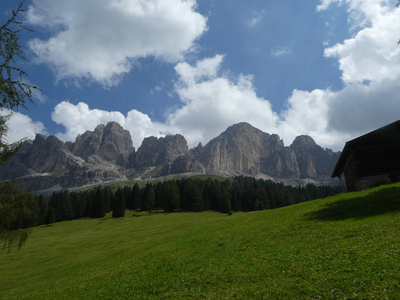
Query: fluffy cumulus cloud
[[369, 63], [213, 102], [372, 54], [21, 126], [79, 118], [100, 39], [308, 113]]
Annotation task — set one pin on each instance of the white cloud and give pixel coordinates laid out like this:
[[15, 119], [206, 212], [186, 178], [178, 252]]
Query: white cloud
[[360, 108], [372, 54], [326, 3], [99, 39], [21, 126], [308, 113], [205, 69], [369, 63], [361, 13], [214, 102], [79, 118]]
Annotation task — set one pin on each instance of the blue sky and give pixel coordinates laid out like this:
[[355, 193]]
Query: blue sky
[[326, 68]]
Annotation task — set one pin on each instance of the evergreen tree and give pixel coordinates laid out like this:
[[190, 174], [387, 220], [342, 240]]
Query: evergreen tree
[[171, 196], [159, 196], [128, 197], [224, 201], [108, 197], [61, 202], [136, 197], [196, 198], [174, 196], [88, 196], [31, 204], [43, 208], [207, 198], [236, 195], [118, 204], [50, 216], [98, 207], [148, 198], [187, 195], [78, 205]]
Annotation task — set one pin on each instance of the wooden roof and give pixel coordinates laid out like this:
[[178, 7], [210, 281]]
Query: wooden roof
[[378, 151]]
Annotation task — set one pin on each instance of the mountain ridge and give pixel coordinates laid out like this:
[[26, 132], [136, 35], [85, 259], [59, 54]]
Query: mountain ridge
[[107, 154]]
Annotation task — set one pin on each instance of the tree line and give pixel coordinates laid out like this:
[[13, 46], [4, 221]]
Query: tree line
[[232, 195]]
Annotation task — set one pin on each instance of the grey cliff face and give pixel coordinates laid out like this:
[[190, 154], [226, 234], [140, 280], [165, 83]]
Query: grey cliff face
[[236, 149], [312, 159], [88, 143], [110, 142], [49, 155], [107, 154], [182, 164], [244, 149], [17, 166], [156, 151]]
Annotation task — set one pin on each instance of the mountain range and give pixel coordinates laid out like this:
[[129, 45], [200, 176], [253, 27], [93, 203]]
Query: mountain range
[[107, 154]]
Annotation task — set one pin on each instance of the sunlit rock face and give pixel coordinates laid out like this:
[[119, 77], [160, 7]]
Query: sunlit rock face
[[245, 149]]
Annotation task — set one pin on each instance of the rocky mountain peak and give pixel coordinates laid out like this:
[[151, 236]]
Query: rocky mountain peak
[[110, 142], [240, 128], [311, 158], [244, 149], [303, 141], [48, 155], [155, 151]]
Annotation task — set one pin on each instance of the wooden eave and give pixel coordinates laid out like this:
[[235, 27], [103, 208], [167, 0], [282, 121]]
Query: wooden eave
[[373, 142]]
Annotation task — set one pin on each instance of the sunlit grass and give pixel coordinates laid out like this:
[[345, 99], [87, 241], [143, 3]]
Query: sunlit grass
[[342, 247]]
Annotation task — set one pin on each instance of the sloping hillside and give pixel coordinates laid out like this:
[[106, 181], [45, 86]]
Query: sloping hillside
[[343, 247]]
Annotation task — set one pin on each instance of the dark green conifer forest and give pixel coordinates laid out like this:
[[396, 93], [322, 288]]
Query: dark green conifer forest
[[196, 195]]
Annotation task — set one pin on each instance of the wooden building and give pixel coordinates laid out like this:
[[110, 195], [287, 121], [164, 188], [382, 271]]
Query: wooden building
[[371, 159]]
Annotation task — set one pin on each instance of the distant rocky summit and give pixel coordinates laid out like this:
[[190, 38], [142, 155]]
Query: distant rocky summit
[[111, 143], [106, 154]]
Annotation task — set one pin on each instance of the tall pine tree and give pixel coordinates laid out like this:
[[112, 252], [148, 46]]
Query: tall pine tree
[[148, 198], [118, 204]]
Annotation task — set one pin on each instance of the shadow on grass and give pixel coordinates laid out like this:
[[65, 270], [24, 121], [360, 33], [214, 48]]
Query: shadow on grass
[[376, 203]]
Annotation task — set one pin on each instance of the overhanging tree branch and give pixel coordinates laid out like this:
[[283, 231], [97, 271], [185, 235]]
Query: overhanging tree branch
[[13, 90]]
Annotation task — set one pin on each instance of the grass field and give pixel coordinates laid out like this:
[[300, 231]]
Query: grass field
[[342, 247]]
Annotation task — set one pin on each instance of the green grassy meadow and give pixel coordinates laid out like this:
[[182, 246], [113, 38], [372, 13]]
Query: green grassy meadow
[[342, 247]]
